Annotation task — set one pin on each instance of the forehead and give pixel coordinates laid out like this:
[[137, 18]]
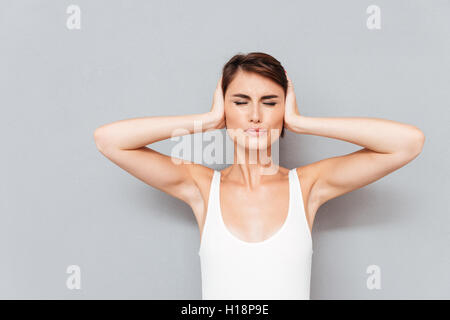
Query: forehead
[[253, 84]]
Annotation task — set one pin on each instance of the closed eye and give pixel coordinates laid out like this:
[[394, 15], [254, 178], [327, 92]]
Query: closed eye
[[268, 103]]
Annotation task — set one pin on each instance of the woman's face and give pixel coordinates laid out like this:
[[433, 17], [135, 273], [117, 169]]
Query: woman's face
[[253, 101]]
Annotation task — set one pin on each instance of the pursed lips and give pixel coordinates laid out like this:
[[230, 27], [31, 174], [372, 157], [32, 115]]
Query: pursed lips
[[255, 131]]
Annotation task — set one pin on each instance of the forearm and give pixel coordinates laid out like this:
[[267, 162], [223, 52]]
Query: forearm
[[380, 135], [138, 132]]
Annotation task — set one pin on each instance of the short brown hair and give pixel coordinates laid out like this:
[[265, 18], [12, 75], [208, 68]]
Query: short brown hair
[[257, 62]]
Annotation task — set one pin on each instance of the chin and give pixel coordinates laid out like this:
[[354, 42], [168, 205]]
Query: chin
[[249, 142]]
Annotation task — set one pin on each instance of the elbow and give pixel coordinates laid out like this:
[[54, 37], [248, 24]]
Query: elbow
[[420, 141], [100, 139], [417, 142]]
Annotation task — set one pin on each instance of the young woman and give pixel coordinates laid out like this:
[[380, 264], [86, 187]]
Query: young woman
[[255, 218]]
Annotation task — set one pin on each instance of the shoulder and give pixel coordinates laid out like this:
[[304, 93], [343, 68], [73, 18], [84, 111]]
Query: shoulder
[[308, 175], [202, 177]]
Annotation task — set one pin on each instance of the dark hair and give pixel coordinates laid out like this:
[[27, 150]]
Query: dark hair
[[257, 62]]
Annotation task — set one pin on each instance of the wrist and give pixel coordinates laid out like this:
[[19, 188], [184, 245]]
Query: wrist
[[295, 123], [210, 121]]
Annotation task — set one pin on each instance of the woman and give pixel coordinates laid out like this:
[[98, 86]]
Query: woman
[[255, 218]]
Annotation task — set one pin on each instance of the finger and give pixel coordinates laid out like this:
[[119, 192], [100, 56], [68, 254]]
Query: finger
[[290, 85], [287, 77]]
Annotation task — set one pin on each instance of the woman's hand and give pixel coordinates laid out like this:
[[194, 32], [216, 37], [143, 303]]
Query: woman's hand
[[291, 108], [218, 106]]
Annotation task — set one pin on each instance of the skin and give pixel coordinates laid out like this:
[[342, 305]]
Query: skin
[[254, 195]]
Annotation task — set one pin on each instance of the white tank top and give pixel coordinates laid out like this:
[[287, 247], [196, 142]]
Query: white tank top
[[276, 268]]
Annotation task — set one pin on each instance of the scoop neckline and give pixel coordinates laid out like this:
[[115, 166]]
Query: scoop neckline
[[273, 236]]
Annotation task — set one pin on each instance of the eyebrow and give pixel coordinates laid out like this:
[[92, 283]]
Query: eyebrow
[[241, 95]]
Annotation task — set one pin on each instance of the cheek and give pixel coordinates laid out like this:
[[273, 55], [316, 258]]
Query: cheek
[[275, 117], [234, 119]]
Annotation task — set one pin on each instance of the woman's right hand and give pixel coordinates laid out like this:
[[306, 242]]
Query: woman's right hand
[[218, 107]]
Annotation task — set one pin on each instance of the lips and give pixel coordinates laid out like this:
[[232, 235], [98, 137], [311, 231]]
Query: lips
[[255, 132]]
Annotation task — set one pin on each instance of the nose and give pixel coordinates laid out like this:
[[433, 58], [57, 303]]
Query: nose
[[254, 114]]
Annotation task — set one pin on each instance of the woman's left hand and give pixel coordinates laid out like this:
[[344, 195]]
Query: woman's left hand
[[290, 108]]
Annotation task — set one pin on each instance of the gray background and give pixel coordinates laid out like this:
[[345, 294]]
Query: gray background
[[64, 203]]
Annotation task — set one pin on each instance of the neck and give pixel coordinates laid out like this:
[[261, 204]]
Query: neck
[[253, 162]]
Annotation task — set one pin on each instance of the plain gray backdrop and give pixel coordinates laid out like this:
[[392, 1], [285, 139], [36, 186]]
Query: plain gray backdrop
[[63, 203]]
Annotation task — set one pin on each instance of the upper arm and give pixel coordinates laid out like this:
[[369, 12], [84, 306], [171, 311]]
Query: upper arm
[[157, 170], [341, 174]]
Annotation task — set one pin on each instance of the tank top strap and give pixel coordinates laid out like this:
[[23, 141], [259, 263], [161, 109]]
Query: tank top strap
[[293, 200], [213, 203], [295, 186], [299, 211]]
